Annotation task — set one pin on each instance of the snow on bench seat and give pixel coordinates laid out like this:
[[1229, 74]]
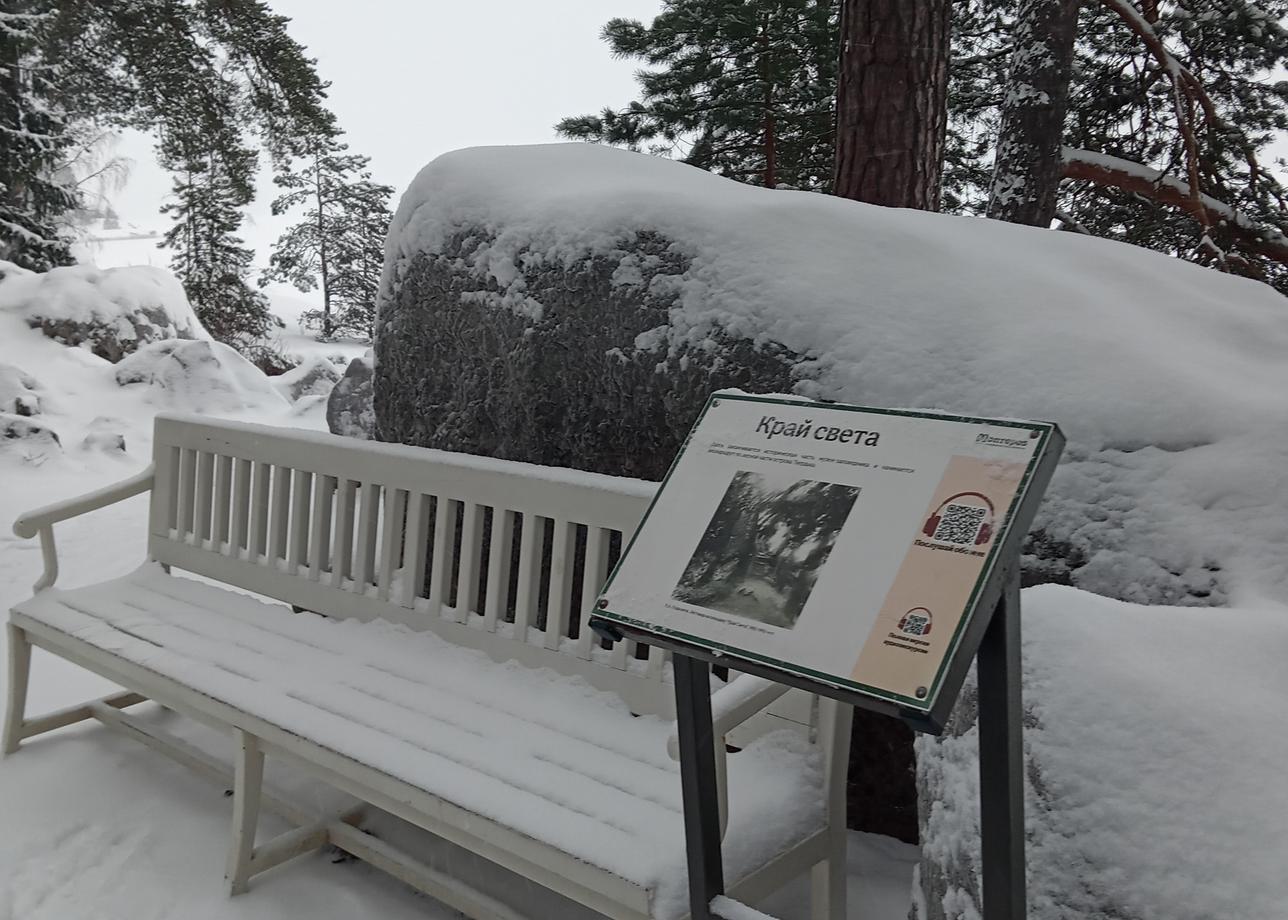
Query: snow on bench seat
[[547, 755]]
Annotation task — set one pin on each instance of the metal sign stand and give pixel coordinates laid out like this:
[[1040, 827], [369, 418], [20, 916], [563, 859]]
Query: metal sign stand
[[1001, 758]]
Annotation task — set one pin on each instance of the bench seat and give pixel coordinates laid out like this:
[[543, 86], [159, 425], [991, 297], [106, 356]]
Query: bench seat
[[546, 755]]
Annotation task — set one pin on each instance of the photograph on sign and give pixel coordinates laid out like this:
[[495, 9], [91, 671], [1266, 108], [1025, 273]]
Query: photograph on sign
[[841, 544]]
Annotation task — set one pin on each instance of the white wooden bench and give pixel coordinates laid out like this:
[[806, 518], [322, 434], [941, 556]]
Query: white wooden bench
[[439, 677]]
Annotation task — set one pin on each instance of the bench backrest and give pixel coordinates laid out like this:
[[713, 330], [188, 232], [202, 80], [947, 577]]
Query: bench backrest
[[495, 555]]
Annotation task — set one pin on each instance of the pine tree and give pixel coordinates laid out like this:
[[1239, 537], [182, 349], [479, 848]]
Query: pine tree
[[743, 88], [34, 137], [339, 244]]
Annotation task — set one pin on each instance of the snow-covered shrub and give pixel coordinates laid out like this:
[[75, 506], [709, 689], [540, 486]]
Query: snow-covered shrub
[[198, 376], [349, 409], [18, 392], [26, 439], [109, 311]]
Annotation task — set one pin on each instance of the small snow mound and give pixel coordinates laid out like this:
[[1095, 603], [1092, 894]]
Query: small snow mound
[[112, 312], [28, 440], [198, 376], [18, 392], [313, 377], [310, 407]]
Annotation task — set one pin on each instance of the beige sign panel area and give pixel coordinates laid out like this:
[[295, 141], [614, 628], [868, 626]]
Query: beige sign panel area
[[844, 545]]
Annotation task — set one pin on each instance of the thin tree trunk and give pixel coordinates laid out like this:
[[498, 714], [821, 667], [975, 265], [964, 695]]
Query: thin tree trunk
[[892, 101], [1028, 166], [770, 126], [328, 325]]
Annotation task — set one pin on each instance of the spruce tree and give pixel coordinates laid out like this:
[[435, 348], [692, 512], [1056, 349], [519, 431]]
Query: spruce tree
[[339, 243], [743, 88], [209, 258], [34, 138]]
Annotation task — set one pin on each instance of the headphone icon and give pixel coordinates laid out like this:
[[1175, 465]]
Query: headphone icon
[[985, 529], [902, 626]]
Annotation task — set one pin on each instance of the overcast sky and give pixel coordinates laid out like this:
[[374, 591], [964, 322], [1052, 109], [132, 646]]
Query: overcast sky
[[411, 79]]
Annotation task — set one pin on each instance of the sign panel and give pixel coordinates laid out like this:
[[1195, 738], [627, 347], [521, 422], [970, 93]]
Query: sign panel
[[844, 545]]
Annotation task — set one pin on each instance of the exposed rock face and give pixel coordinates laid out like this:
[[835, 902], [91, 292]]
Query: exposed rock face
[[349, 409], [567, 385]]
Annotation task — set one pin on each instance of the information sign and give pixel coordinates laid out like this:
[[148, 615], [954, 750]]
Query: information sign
[[845, 546]]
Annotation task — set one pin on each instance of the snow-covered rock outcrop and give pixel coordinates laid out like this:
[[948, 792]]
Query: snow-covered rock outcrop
[[198, 376], [111, 311], [349, 410]]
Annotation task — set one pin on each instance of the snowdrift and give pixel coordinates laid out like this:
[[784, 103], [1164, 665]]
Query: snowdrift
[[585, 270]]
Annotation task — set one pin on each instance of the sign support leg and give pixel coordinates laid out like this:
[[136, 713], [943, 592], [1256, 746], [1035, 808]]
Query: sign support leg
[[698, 783], [1001, 760]]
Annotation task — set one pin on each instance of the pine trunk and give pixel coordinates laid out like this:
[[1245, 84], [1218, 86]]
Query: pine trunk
[[1028, 167], [892, 101], [328, 321]]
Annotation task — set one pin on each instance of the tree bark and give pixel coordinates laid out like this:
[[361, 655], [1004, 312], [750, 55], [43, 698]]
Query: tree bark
[[1028, 167], [892, 101]]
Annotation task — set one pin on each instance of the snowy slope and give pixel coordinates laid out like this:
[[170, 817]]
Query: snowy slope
[[1168, 378]]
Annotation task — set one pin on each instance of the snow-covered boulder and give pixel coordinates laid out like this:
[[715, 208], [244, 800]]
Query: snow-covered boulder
[[112, 312], [18, 394], [349, 408], [198, 376], [315, 376], [574, 304]]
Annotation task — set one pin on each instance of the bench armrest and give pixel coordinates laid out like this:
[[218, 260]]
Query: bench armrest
[[731, 705], [42, 520]]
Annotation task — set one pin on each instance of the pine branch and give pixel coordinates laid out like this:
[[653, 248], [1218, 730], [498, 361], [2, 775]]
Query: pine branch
[[1158, 186]]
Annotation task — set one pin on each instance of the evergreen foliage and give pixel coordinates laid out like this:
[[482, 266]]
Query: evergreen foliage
[[744, 89], [338, 244], [699, 101], [34, 138]]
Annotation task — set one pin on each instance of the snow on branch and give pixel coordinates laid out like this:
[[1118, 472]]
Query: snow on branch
[[1115, 172]]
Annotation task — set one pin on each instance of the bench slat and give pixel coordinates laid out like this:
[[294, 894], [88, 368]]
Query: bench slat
[[281, 511], [440, 572], [205, 482], [596, 573], [415, 549], [391, 539], [238, 532], [297, 549], [368, 519], [560, 584], [498, 572], [319, 542], [259, 505], [529, 574], [223, 497], [467, 580], [346, 496]]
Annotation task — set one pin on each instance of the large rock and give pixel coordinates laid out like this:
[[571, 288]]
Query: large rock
[[574, 305], [198, 376], [112, 312], [314, 376], [349, 409]]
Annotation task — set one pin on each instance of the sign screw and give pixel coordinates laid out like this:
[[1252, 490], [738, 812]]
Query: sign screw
[[921, 693], [603, 603]]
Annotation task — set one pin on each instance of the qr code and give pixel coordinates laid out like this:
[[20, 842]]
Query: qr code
[[915, 624], [960, 524]]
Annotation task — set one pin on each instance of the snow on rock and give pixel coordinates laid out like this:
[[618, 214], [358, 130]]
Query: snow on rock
[[18, 394], [586, 272], [112, 312], [198, 376], [349, 410], [29, 440], [315, 376], [1153, 781]]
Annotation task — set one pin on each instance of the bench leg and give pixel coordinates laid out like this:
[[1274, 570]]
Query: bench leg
[[827, 891], [16, 699], [248, 780]]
